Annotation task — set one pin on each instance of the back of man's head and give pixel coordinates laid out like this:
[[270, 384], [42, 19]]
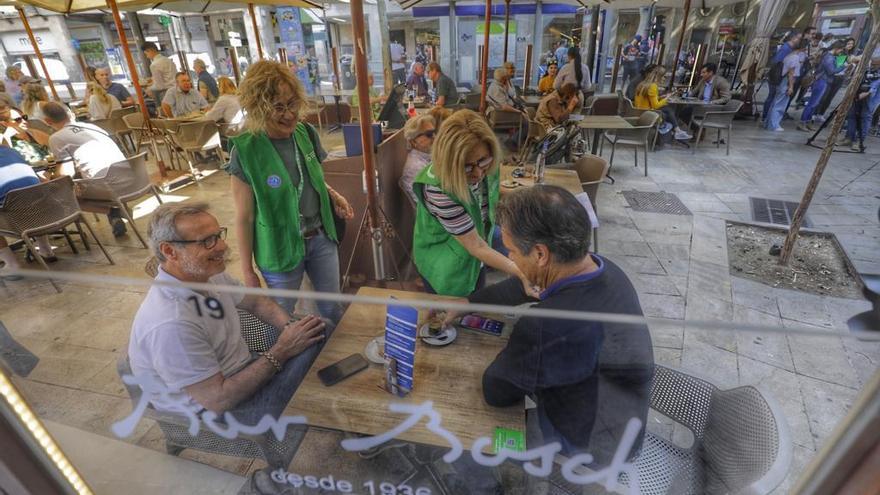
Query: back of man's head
[[55, 113], [547, 215], [149, 46], [434, 66]]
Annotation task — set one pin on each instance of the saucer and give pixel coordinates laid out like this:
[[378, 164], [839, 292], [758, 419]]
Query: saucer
[[445, 337], [375, 350]]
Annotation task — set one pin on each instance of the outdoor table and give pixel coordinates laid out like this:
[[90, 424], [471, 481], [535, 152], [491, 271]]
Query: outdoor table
[[532, 100], [564, 178], [600, 123], [450, 377]]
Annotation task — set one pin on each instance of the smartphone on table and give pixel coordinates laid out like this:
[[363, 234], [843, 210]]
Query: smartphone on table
[[482, 324], [341, 370]]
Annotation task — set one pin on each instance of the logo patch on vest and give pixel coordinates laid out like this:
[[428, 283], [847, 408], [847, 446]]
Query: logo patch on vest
[[274, 181]]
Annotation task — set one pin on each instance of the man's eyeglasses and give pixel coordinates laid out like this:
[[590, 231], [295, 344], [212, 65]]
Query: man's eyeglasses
[[482, 164], [292, 107], [208, 242], [427, 134]]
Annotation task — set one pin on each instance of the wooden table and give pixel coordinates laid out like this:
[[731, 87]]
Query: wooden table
[[599, 123], [564, 178], [450, 376]]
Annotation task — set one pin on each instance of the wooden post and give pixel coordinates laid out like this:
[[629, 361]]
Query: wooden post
[[27, 27], [233, 57], [32, 69], [528, 74], [684, 25], [484, 66], [506, 26], [616, 68], [335, 60], [366, 120], [282, 55], [252, 11], [135, 81], [594, 38], [839, 117]]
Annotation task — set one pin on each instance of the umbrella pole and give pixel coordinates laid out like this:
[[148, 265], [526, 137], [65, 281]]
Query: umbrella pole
[[363, 92], [123, 40], [256, 30], [506, 25], [27, 27], [684, 25], [484, 69]]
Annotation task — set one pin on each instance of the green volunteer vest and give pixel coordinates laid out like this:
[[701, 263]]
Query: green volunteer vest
[[278, 241], [440, 258]]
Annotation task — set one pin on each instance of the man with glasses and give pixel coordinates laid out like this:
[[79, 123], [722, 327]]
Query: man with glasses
[[189, 340]]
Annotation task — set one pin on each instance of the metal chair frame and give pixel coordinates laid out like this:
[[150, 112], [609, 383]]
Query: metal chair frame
[[716, 117]]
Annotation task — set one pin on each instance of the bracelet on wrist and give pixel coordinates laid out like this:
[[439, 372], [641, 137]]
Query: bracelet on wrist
[[274, 362]]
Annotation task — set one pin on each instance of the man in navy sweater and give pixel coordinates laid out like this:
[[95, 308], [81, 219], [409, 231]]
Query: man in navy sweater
[[587, 378]]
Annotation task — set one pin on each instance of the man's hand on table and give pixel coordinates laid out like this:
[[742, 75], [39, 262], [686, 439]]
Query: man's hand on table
[[298, 336]]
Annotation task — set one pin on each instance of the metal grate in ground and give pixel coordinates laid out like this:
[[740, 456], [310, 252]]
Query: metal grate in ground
[[774, 211], [655, 202]]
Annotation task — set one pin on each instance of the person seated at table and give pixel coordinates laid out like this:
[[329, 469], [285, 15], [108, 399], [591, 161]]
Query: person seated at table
[[6, 97], [647, 98], [227, 108], [207, 84], [555, 108], [85, 148], [501, 96], [15, 79], [284, 223], [35, 98], [455, 214], [711, 88], [419, 134], [102, 77], [445, 92], [15, 173], [545, 85], [417, 81], [515, 93], [587, 378], [101, 103], [181, 100], [189, 341], [14, 130], [634, 82], [376, 98]]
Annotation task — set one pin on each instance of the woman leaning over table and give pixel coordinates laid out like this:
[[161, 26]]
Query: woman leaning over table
[[284, 225], [455, 216]]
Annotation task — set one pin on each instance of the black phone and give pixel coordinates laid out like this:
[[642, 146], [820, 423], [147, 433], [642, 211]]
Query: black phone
[[341, 370]]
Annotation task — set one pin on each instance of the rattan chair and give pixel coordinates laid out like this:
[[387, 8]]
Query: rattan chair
[[741, 441], [717, 117], [120, 130], [44, 209], [604, 104], [197, 137], [637, 137], [124, 182]]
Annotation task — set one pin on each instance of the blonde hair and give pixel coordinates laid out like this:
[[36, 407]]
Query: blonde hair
[[34, 94], [440, 114], [463, 131], [655, 76], [96, 90], [500, 74], [260, 88], [226, 86]]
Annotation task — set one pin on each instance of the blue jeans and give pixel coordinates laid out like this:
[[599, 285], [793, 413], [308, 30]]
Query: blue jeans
[[816, 92], [777, 110], [274, 396], [858, 112], [768, 103], [322, 264]]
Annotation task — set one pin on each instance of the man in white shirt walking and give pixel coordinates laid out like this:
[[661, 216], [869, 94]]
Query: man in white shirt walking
[[162, 71]]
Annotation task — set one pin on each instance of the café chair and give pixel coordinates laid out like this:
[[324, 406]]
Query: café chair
[[717, 117], [198, 137], [316, 107], [636, 136], [472, 101], [604, 104], [120, 130], [504, 120], [741, 442], [125, 181], [591, 171], [42, 209]]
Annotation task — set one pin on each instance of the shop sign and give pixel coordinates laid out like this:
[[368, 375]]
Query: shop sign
[[19, 44]]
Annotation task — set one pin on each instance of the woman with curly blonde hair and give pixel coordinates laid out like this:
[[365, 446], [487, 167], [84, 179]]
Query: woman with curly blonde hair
[[455, 216], [284, 217]]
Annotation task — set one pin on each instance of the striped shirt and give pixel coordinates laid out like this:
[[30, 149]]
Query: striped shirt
[[451, 215], [15, 173]]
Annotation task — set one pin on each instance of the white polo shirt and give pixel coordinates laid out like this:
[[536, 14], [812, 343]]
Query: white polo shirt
[[180, 337], [92, 148]]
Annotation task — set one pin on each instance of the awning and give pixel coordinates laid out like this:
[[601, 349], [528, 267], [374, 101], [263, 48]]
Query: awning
[[196, 6]]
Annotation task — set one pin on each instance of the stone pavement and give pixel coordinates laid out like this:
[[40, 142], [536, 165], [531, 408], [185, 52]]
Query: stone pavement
[[677, 263]]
